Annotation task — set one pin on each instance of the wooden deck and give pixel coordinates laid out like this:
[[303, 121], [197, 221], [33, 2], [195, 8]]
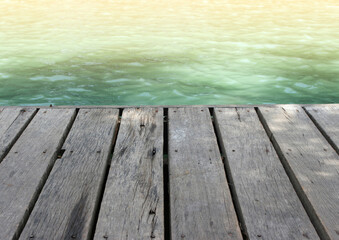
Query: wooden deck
[[225, 172]]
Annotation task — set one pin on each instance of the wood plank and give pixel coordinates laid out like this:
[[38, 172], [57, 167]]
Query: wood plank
[[270, 207], [326, 119], [25, 168], [69, 200], [12, 122], [201, 204], [133, 202], [312, 164]]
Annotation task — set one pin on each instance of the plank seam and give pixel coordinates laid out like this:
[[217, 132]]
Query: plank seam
[[101, 191], [44, 178], [316, 222], [321, 130], [18, 134], [167, 205], [229, 179]]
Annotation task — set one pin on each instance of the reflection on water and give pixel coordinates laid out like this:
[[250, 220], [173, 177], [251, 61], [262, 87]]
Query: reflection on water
[[133, 52]]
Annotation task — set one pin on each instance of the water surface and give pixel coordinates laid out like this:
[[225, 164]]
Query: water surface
[[134, 52]]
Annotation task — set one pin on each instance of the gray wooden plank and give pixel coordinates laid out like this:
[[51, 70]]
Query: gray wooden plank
[[312, 164], [270, 207], [133, 202], [69, 200], [25, 168], [326, 119], [12, 122], [201, 204]]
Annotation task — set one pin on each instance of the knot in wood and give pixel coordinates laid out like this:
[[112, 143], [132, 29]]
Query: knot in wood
[[151, 211]]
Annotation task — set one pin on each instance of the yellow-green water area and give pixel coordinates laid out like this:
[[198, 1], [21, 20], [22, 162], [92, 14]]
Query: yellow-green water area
[[168, 52]]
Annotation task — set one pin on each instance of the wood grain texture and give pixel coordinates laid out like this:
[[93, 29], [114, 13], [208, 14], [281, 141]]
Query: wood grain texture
[[270, 207], [133, 202], [67, 204], [326, 119], [311, 163], [201, 204], [25, 168], [12, 122]]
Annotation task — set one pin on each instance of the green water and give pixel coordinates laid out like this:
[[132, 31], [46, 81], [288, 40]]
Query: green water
[[136, 52]]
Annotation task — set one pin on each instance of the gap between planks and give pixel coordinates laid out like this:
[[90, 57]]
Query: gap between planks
[[228, 174], [167, 205], [166, 183], [317, 223], [103, 187], [322, 130], [68, 129], [13, 232], [6, 149]]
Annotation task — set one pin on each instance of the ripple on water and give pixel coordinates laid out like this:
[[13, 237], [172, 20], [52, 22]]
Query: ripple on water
[[3, 75], [179, 52], [52, 78], [37, 97], [145, 94], [135, 64], [289, 90], [91, 63], [281, 79], [77, 90], [303, 85], [117, 80], [52, 99], [176, 92]]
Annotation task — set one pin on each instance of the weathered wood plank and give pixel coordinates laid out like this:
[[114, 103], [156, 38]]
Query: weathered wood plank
[[12, 122], [201, 204], [25, 168], [67, 204], [133, 202], [326, 119], [270, 207], [311, 163]]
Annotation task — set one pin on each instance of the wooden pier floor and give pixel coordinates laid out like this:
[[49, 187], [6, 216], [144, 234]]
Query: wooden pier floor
[[267, 172]]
